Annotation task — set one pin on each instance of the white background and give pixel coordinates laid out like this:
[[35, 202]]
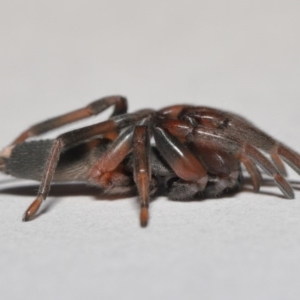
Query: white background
[[242, 56]]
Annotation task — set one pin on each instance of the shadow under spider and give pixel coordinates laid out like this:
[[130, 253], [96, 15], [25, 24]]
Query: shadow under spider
[[63, 190], [59, 191], [81, 189]]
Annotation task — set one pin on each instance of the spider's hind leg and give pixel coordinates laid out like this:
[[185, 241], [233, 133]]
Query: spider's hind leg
[[94, 108], [114, 154]]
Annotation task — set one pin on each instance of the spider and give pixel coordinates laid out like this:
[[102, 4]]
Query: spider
[[196, 153]]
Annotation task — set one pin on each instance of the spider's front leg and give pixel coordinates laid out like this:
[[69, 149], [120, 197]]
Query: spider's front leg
[[201, 172], [214, 139], [239, 129], [191, 176], [179, 157]]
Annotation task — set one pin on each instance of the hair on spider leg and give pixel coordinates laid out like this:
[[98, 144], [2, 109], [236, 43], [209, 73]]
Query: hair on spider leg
[[180, 151]]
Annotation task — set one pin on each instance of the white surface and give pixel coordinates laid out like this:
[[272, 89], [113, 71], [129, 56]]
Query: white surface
[[241, 56]]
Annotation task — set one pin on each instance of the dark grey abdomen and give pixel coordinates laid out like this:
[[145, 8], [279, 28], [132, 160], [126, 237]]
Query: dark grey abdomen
[[28, 160]]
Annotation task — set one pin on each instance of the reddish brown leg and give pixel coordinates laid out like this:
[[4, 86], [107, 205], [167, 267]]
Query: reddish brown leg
[[214, 139], [113, 156], [278, 163], [181, 129], [142, 169], [270, 169], [237, 128], [252, 170], [72, 138], [117, 151], [180, 158], [290, 157], [94, 108]]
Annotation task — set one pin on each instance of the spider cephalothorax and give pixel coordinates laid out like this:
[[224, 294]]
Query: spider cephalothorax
[[196, 152]]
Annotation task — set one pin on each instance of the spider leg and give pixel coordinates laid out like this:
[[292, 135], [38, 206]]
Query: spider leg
[[214, 139], [252, 170], [142, 168], [93, 108], [113, 156], [179, 157], [137, 139], [290, 157], [181, 129], [254, 136], [278, 163], [120, 147], [72, 138], [238, 128]]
